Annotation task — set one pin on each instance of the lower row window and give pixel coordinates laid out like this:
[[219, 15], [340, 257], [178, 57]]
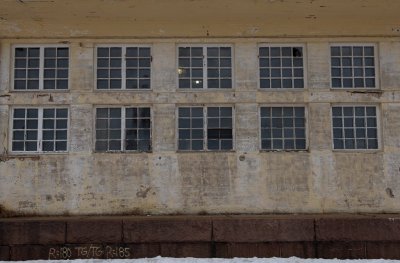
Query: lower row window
[[45, 129], [354, 127], [40, 130], [123, 129], [205, 128], [283, 128]]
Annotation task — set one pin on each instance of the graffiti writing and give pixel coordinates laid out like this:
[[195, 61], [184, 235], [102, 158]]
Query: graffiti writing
[[89, 251]]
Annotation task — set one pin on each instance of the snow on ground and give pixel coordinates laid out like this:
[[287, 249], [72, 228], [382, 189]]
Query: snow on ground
[[213, 260]]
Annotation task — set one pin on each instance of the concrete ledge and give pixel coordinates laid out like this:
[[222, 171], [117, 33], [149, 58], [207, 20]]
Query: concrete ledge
[[274, 249], [387, 250], [358, 229], [181, 250], [32, 232], [176, 229], [263, 230], [29, 252], [341, 250], [92, 231], [4, 253]]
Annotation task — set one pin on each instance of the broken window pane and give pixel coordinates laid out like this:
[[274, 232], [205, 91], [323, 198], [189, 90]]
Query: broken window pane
[[281, 67]]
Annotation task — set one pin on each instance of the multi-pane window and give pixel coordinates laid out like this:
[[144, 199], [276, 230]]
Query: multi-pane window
[[205, 67], [281, 67], [205, 128], [123, 68], [283, 128], [40, 130], [41, 68], [353, 66], [123, 129], [355, 127]]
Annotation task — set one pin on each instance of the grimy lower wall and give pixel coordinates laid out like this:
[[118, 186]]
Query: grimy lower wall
[[306, 236], [246, 180]]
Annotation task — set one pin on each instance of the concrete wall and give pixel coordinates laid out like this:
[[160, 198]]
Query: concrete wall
[[246, 180]]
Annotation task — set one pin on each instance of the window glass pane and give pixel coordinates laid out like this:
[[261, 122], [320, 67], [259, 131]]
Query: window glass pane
[[353, 126], [348, 64], [287, 124], [184, 144]]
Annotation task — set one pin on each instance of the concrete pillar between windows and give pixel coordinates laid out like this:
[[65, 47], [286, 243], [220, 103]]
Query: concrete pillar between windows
[[164, 74], [81, 128], [3, 128], [389, 127], [319, 126], [81, 66], [163, 139], [246, 127], [388, 54], [5, 57], [245, 61], [318, 73]]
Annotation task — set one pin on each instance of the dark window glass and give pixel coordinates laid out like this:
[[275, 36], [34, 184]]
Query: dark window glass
[[352, 127], [283, 128]]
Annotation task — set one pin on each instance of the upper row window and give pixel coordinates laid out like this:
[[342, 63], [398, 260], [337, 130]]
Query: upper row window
[[281, 67], [205, 67], [353, 66], [123, 68], [41, 68], [199, 67]]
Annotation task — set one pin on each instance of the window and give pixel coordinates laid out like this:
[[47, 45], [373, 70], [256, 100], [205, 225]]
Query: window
[[205, 67], [281, 67], [205, 128], [123, 129], [354, 127], [40, 129], [126, 68], [41, 68], [283, 128], [353, 66]]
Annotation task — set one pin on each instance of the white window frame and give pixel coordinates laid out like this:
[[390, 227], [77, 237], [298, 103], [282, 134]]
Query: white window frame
[[41, 66], [306, 127], [305, 66], [378, 126], [205, 126], [39, 129], [123, 124], [123, 66], [376, 63], [205, 67]]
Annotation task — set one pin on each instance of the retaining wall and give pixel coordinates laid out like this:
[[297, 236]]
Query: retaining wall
[[306, 236]]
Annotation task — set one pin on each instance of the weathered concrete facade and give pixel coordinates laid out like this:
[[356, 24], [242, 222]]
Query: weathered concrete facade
[[246, 180]]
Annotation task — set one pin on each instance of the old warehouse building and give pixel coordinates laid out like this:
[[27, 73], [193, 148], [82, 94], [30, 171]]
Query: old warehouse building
[[201, 108]]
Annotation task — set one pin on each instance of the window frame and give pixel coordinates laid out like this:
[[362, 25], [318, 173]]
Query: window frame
[[123, 108], [41, 67], [378, 127], [123, 66], [305, 66], [205, 126], [306, 127], [205, 66], [39, 129], [376, 67]]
